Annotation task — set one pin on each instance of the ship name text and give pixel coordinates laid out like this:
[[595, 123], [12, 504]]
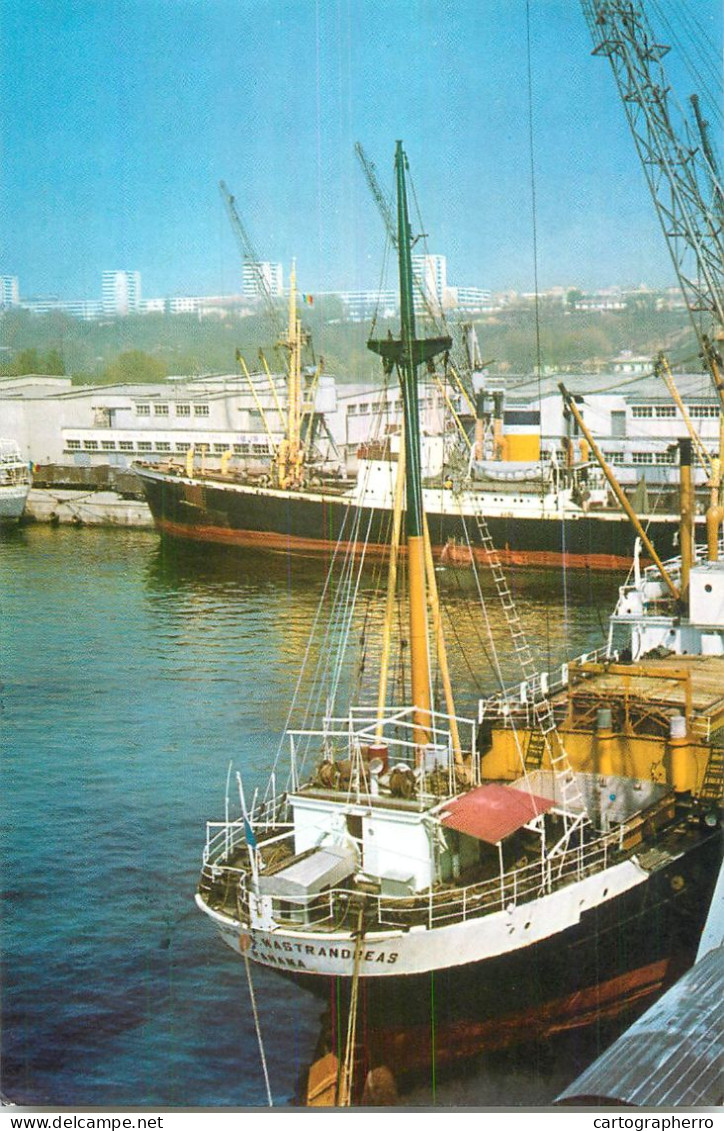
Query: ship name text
[[284, 952]]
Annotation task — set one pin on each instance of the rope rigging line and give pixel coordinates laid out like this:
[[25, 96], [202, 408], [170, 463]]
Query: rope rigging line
[[352, 590], [348, 1066], [703, 48], [310, 641], [437, 318], [534, 210], [539, 703], [257, 1026], [383, 275], [334, 657]]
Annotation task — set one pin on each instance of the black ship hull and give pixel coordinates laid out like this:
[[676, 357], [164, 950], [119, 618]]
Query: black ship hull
[[309, 523], [603, 971]]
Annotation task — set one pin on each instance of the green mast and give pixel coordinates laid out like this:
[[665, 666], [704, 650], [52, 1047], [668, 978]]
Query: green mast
[[407, 353]]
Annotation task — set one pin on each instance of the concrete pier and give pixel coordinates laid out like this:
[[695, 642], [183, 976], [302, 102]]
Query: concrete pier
[[81, 507]]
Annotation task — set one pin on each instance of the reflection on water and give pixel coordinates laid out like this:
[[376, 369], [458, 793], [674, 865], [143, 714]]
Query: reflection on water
[[133, 672]]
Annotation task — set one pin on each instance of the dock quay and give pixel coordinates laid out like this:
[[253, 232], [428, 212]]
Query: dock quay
[[672, 1055], [64, 506], [65, 495]]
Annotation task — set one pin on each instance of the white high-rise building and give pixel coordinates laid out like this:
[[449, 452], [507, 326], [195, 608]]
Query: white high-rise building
[[121, 292], [430, 273], [270, 273], [9, 291]]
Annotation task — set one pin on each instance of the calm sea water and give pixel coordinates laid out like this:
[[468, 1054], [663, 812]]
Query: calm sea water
[[132, 673]]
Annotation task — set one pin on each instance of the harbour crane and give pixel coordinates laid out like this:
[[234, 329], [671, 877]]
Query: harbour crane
[[250, 258], [381, 198], [679, 168], [298, 415], [683, 176]]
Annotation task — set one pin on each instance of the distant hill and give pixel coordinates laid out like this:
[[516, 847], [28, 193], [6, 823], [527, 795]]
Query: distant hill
[[150, 346]]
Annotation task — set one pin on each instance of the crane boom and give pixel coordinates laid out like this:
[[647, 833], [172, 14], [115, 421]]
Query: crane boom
[[382, 200], [249, 256], [682, 172], [676, 166]]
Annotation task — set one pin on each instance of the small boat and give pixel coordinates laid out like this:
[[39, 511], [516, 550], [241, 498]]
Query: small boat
[[15, 482], [455, 874]]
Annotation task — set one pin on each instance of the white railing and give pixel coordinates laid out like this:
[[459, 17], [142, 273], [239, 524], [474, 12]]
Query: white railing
[[516, 702], [431, 908]]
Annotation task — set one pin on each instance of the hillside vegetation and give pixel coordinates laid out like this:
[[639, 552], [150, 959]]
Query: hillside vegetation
[[149, 347]]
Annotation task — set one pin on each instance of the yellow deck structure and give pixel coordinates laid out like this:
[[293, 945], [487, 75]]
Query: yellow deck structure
[[661, 719]]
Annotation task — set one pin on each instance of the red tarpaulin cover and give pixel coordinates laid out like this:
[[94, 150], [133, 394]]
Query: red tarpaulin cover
[[492, 812]]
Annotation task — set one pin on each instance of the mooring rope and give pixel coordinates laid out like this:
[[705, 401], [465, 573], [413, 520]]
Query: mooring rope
[[258, 1029], [345, 1098]]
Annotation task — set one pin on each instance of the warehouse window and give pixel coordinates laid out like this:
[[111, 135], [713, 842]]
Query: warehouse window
[[701, 410]]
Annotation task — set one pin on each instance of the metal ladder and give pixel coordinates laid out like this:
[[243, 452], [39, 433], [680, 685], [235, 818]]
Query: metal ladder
[[544, 737], [712, 786]]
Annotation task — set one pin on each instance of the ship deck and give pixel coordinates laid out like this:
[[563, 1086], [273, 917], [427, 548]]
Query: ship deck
[[655, 688], [225, 884]]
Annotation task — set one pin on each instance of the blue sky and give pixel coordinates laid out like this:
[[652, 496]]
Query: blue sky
[[121, 116]]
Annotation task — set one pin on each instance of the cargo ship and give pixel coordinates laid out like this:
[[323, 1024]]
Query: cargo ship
[[534, 520], [454, 874]]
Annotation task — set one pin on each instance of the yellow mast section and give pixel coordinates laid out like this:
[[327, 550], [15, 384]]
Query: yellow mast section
[[290, 456]]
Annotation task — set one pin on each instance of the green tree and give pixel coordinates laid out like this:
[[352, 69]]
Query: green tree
[[53, 363], [573, 296], [27, 361], [135, 367]]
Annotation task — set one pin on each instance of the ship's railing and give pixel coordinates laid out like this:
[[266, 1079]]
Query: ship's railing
[[224, 838], [395, 731], [515, 705], [435, 907], [502, 892]]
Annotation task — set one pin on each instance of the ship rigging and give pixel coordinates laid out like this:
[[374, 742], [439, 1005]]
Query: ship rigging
[[421, 844]]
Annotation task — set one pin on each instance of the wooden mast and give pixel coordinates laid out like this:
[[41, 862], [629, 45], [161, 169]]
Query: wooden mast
[[289, 458], [408, 353]]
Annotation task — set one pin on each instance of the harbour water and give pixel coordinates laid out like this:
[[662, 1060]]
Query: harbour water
[[132, 673]]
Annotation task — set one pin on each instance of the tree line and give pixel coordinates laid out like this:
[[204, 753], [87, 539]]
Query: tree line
[[148, 348]]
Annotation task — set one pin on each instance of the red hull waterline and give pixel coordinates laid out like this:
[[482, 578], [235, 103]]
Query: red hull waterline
[[271, 542], [418, 1047]]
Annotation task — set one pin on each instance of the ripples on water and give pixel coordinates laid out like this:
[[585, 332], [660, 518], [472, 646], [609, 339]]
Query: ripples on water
[[132, 674]]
